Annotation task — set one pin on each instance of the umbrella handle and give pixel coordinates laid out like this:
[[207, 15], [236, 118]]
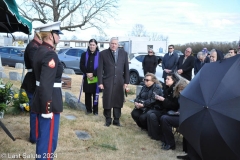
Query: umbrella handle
[[7, 131]]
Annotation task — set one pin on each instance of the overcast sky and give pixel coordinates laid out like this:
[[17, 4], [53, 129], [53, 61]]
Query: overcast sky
[[181, 20]]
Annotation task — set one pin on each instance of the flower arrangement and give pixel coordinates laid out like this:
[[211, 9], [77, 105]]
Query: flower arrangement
[[21, 101], [5, 95]]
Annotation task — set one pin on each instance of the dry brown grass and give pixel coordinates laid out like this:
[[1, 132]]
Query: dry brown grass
[[107, 143]]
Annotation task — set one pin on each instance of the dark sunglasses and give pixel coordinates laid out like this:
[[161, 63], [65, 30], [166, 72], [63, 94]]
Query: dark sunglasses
[[150, 52], [146, 80], [170, 48]]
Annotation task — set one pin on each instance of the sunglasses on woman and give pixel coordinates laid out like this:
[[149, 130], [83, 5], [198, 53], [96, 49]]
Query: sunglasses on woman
[[146, 80]]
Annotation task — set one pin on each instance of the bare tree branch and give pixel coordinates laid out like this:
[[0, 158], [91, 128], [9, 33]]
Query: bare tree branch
[[81, 14], [139, 31]]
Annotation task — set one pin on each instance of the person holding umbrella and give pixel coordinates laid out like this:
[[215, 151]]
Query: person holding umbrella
[[209, 108]]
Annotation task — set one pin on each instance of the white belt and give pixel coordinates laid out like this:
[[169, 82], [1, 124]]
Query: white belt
[[54, 85], [29, 70]]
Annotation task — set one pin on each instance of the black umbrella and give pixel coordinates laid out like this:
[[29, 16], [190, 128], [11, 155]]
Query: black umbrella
[[210, 110], [6, 130]]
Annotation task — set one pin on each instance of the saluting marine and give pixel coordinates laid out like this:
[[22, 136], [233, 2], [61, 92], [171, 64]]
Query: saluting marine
[[29, 82], [47, 99]]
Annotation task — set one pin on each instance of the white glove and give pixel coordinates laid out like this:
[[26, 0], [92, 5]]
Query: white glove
[[49, 115]]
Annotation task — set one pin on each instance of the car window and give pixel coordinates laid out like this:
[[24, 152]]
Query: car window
[[15, 51], [80, 52], [4, 50], [131, 56], [140, 58], [72, 52], [61, 51]]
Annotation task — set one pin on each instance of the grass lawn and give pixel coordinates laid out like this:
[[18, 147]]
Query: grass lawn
[[106, 143]]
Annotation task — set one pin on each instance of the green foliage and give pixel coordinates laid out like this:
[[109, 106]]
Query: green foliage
[[3, 107], [5, 94], [5, 91], [20, 102]]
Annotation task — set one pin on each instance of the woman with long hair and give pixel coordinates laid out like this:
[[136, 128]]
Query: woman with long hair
[[171, 119], [89, 65]]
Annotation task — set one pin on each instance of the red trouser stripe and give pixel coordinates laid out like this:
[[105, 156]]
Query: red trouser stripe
[[36, 129], [50, 138]]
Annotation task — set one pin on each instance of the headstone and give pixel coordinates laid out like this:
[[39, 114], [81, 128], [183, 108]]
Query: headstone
[[3, 75], [73, 103], [19, 66], [69, 95], [14, 76], [68, 71], [82, 135], [1, 67], [70, 117], [138, 89]]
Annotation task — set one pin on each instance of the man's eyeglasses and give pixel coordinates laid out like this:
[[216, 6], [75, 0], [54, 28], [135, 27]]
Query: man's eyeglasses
[[146, 80], [170, 48], [187, 51], [150, 52]]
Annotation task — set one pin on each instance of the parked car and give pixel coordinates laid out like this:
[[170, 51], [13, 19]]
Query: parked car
[[62, 50], [70, 58], [136, 71], [10, 55], [178, 52]]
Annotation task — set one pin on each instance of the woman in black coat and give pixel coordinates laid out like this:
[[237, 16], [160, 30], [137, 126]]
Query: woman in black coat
[[149, 62], [89, 65], [163, 105], [145, 100]]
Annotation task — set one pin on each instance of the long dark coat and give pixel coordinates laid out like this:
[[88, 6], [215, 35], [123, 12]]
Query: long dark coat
[[170, 102], [48, 70], [29, 82], [149, 64], [187, 66], [198, 65], [113, 76], [147, 95], [88, 88]]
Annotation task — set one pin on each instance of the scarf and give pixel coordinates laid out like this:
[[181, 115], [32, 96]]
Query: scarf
[[95, 67]]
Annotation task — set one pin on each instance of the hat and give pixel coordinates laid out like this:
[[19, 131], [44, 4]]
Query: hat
[[204, 50], [50, 27]]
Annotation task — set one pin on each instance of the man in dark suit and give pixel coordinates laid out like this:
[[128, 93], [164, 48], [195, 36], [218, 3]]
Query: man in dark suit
[[185, 64], [169, 62], [200, 61], [113, 78]]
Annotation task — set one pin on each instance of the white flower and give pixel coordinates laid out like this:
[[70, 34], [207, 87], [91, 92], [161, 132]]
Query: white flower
[[2, 86]]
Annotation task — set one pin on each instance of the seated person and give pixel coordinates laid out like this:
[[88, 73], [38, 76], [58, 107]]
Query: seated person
[[146, 100], [169, 121], [164, 103]]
